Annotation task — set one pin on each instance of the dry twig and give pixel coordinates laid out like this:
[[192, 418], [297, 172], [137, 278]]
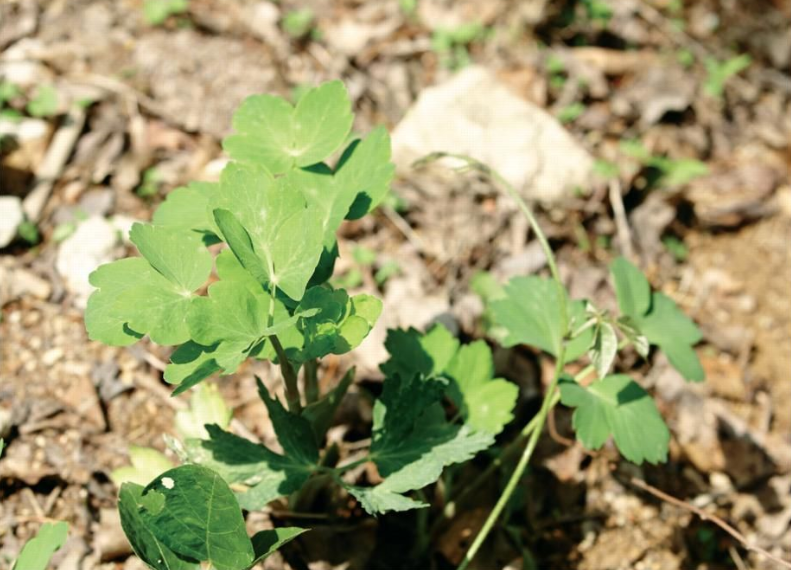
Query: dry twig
[[659, 494]]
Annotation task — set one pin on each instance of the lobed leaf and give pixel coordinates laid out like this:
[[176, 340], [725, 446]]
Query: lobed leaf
[[616, 405], [279, 136]]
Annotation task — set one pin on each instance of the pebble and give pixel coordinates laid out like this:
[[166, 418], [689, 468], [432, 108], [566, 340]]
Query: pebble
[[10, 218]]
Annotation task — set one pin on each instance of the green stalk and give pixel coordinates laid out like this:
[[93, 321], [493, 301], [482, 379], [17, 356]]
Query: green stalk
[[289, 374], [311, 380], [549, 402], [550, 399]]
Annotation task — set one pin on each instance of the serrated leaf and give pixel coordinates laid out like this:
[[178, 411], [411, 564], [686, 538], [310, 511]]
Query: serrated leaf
[[530, 314], [616, 405], [197, 516], [266, 542], [271, 132], [107, 316], [187, 209], [340, 324], [144, 544], [631, 288], [384, 499], [604, 348], [487, 403], [269, 227], [267, 474], [413, 353], [38, 551], [293, 431]]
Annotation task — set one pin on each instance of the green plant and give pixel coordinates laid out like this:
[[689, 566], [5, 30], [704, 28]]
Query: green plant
[[666, 171], [719, 72], [277, 209], [44, 103], [452, 44], [38, 551], [156, 12], [149, 185], [571, 113], [537, 311], [300, 24], [556, 68]]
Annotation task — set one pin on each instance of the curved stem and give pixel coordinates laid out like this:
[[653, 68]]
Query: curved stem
[[289, 374], [516, 476]]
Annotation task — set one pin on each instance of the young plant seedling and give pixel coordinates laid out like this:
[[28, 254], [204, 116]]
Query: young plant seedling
[[277, 208], [538, 312]]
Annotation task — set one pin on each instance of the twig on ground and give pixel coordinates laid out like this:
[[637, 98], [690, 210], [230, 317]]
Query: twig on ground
[[708, 517], [51, 167], [621, 223], [401, 224]]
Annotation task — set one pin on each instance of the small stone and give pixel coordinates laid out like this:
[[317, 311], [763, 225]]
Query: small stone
[[10, 217], [51, 356]]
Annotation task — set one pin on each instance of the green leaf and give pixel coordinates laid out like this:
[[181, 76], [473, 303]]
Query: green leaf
[[487, 403], [273, 133], [616, 405], [530, 313], [37, 553], [144, 544], [151, 295], [267, 474], [675, 333], [44, 103], [147, 463], [365, 171], [266, 542], [340, 323], [293, 431], [193, 512], [414, 353], [207, 406], [279, 241], [631, 288], [187, 209], [604, 348]]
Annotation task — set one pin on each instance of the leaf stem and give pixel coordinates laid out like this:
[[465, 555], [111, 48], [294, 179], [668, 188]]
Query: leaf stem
[[289, 374], [486, 170], [549, 402], [311, 380]]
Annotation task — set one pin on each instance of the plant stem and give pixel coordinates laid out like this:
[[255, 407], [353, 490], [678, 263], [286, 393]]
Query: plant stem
[[311, 380], [289, 374], [549, 401]]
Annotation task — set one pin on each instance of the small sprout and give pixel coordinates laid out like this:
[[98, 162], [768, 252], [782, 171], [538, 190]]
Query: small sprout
[[44, 103], [719, 72], [300, 24], [571, 112], [156, 12]]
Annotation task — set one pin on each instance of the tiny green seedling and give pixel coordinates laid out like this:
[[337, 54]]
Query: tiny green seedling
[[667, 172], [452, 44], [719, 72], [571, 113], [156, 12], [44, 103], [301, 24]]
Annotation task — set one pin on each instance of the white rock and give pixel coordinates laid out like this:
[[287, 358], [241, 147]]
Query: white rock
[[10, 218], [475, 114], [90, 246]]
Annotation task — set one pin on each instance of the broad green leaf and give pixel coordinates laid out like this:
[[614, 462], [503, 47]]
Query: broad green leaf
[[267, 474], [207, 406], [266, 542], [273, 133], [150, 295], [530, 314], [340, 324], [321, 413], [144, 544], [193, 512], [147, 463], [487, 403], [616, 405], [269, 227], [191, 363], [365, 171], [604, 348], [187, 209], [38, 551], [631, 288], [293, 431]]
